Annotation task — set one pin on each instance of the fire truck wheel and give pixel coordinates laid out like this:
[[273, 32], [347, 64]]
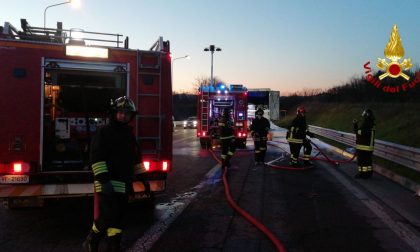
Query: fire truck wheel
[[204, 144], [241, 144], [149, 206]]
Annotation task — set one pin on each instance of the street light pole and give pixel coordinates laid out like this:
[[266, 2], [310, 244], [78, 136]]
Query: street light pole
[[211, 49], [172, 64], [45, 11]]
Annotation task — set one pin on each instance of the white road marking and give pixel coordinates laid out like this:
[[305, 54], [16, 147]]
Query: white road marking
[[168, 212]]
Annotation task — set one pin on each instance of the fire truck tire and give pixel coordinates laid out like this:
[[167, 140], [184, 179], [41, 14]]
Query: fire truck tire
[[204, 143], [149, 207], [241, 144]]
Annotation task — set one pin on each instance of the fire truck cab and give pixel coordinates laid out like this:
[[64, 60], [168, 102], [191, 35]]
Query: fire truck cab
[[212, 100], [56, 92]]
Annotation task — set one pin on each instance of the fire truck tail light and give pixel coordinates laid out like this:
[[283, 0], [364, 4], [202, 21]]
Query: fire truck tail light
[[17, 167], [204, 133], [241, 134], [199, 133], [165, 165], [146, 165]]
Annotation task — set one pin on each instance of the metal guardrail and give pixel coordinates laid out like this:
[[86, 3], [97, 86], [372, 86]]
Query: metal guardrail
[[400, 154]]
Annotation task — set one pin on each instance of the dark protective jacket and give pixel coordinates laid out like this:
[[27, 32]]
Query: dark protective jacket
[[365, 134], [114, 154], [298, 130], [260, 126], [226, 128]]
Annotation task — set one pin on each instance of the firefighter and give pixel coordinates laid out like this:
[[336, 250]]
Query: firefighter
[[259, 130], [364, 143], [227, 138], [296, 136], [115, 161]]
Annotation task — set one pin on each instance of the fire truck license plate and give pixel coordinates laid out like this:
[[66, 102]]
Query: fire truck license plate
[[14, 179]]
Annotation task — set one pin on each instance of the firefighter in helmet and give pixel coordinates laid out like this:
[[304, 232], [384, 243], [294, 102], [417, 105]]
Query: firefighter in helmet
[[365, 135], [114, 157], [296, 136], [259, 130], [227, 137]]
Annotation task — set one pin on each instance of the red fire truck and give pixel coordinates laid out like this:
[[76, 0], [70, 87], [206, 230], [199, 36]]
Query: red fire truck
[[212, 100], [55, 95]]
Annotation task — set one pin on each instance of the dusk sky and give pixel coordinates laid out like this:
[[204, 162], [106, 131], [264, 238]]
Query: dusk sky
[[283, 45]]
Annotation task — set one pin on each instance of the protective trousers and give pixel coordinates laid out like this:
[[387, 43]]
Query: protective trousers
[[295, 150], [294, 153], [260, 148], [364, 163], [307, 149], [108, 222], [228, 149]]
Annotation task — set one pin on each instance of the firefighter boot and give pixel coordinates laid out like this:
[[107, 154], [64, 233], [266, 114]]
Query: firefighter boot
[[113, 243], [257, 157], [91, 243]]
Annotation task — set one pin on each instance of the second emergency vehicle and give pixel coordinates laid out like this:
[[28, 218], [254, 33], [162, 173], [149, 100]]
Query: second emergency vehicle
[[212, 101]]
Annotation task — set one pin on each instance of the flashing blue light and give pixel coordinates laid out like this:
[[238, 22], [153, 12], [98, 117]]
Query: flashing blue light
[[241, 114], [222, 86]]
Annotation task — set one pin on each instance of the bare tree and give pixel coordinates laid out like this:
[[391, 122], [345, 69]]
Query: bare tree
[[205, 81]]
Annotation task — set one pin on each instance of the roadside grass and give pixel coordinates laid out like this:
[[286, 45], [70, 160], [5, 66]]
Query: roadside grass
[[395, 122]]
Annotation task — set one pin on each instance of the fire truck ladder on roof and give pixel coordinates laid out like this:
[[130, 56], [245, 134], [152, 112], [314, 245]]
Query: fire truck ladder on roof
[[205, 95], [155, 100]]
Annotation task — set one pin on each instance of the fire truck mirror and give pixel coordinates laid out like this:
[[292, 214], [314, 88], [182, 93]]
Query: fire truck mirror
[[19, 72]]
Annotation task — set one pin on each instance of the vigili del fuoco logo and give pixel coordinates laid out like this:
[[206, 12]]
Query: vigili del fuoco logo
[[392, 67]]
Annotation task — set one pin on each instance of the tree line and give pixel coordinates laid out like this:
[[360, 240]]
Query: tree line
[[359, 90]]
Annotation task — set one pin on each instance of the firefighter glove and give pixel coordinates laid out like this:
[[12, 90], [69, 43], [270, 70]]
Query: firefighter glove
[[107, 188]]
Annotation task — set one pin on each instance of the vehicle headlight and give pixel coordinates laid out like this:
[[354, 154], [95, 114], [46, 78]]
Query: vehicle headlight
[[239, 124], [195, 122], [185, 122]]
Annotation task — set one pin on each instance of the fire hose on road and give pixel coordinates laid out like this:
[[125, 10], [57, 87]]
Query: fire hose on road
[[326, 158], [276, 242]]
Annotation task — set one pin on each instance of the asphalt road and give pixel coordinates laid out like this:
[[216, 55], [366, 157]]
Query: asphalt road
[[323, 209]]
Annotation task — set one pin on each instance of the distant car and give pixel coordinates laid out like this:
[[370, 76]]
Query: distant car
[[190, 123]]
